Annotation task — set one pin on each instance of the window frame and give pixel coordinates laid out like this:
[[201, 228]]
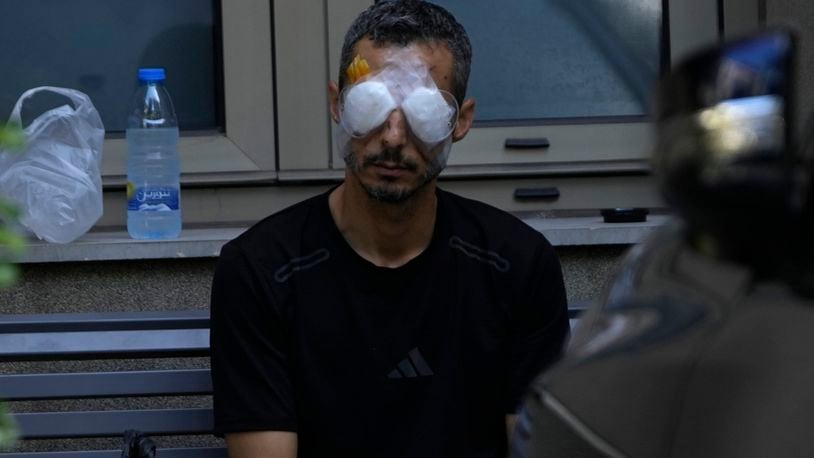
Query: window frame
[[245, 151], [301, 41], [262, 41], [579, 147], [278, 57]]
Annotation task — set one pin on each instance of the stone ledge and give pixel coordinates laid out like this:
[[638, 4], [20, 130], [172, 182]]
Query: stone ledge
[[203, 243]]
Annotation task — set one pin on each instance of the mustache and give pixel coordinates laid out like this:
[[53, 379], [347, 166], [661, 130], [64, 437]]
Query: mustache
[[393, 156]]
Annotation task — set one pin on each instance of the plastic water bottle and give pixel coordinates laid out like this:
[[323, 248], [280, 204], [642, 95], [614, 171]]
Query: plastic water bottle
[[153, 165]]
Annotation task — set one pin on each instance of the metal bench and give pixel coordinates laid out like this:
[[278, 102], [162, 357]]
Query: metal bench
[[116, 336], [108, 336]]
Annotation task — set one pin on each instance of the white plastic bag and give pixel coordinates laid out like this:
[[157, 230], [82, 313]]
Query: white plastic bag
[[56, 178]]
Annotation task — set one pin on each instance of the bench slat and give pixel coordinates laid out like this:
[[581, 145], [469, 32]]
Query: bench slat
[[106, 321], [103, 344], [65, 425], [28, 387], [202, 452], [81, 336]]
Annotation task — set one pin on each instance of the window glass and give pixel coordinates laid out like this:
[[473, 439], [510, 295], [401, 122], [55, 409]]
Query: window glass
[[97, 46], [544, 59]]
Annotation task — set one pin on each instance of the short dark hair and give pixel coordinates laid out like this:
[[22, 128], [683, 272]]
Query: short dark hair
[[403, 22]]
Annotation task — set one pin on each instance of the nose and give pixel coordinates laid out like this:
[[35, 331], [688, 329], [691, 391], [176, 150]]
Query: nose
[[394, 132]]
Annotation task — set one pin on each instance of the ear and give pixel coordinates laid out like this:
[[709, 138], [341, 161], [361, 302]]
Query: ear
[[333, 100], [465, 117]]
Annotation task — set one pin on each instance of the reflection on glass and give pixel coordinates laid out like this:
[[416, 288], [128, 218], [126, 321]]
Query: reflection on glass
[[723, 154], [753, 68], [740, 127], [742, 98], [97, 46], [728, 104], [535, 59]]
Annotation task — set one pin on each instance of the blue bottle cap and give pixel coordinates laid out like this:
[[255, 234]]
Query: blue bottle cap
[[151, 74]]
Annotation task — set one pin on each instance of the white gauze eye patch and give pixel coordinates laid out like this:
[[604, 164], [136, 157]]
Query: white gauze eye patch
[[428, 114], [404, 82], [367, 106]]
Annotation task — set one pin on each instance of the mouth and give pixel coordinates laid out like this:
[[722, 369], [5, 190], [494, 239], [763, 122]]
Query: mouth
[[390, 165], [390, 169]]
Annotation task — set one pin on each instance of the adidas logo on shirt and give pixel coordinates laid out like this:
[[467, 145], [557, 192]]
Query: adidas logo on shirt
[[412, 366]]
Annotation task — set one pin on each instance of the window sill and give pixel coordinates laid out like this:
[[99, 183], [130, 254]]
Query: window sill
[[592, 230], [206, 243], [117, 245]]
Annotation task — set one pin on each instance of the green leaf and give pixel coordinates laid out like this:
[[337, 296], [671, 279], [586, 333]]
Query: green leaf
[[8, 429], [12, 137], [9, 210], [8, 274], [12, 242]]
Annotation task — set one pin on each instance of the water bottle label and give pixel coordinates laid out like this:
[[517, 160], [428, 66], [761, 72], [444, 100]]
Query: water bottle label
[[152, 198]]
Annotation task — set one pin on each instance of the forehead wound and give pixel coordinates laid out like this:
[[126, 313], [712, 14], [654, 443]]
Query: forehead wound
[[412, 56], [404, 66]]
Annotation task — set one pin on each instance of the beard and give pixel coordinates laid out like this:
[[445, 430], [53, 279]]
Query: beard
[[391, 192]]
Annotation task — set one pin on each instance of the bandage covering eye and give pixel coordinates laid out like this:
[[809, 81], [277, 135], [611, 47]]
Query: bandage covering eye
[[402, 82], [431, 116], [430, 113], [365, 107]]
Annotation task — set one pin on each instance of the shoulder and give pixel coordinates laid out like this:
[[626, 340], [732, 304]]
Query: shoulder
[[281, 234], [481, 223], [523, 268]]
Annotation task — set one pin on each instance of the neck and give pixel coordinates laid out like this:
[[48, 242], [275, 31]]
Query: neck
[[386, 234]]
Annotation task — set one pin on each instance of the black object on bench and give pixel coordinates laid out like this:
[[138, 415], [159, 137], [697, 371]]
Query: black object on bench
[[81, 336]]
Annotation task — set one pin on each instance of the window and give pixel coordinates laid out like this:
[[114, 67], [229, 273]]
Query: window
[[536, 61], [542, 72], [96, 46], [583, 140], [277, 57], [225, 111]]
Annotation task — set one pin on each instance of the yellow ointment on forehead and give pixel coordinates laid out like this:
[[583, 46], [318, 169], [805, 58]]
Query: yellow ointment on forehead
[[431, 60], [357, 69]]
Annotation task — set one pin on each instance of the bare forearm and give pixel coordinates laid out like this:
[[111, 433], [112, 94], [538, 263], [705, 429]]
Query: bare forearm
[[262, 444], [511, 421]]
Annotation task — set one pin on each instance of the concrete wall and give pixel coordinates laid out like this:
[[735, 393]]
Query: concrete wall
[[183, 284]]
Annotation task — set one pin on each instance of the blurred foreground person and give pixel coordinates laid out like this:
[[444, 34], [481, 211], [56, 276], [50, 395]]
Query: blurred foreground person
[[702, 343]]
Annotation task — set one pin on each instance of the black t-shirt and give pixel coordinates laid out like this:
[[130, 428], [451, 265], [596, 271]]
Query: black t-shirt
[[424, 360]]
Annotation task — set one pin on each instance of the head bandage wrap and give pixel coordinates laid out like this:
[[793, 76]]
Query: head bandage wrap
[[404, 83]]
